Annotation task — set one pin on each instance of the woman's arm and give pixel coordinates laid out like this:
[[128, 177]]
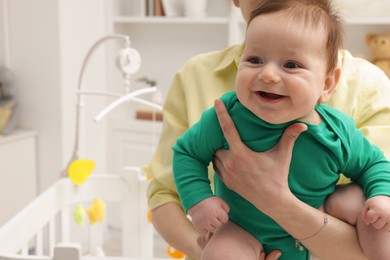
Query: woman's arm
[[172, 224], [168, 217], [265, 175], [183, 236]]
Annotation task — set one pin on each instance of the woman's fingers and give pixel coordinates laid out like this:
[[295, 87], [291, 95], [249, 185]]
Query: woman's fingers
[[228, 128], [283, 148], [286, 143]]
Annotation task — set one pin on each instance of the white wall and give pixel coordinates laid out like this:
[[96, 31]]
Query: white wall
[[34, 57], [3, 31], [47, 42], [364, 8], [82, 23]]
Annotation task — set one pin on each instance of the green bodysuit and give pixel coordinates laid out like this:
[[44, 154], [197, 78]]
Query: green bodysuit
[[320, 155]]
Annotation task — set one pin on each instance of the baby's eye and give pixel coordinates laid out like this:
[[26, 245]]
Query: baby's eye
[[254, 60], [292, 65]]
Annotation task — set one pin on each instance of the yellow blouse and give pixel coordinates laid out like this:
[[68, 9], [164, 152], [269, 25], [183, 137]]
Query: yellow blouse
[[363, 93]]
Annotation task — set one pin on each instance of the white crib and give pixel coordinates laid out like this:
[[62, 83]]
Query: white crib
[[42, 230]]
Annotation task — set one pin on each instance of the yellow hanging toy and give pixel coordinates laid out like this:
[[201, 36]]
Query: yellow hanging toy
[[96, 211], [80, 170]]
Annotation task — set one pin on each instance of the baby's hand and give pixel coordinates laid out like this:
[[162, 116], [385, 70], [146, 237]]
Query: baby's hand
[[376, 212], [208, 214]]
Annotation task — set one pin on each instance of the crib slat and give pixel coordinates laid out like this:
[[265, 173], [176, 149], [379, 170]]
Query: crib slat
[[146, 235], [96, 235], [24, 250], [39, 243], [65, 225], [137, 233], [52, 235]]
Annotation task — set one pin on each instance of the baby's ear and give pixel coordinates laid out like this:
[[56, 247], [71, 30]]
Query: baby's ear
[[330, 84]]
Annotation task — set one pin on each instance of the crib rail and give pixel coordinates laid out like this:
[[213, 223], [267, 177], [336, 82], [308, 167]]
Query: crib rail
[[50, 211], [32, 219]]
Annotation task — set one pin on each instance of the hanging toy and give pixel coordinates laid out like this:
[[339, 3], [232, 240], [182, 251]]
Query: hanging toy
[[80, 170], [150, 217], [146, 169], [79, 215], [96, 211], [174, 253]]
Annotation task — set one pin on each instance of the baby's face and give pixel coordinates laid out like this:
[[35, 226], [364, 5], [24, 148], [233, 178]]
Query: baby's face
[[283, 70]]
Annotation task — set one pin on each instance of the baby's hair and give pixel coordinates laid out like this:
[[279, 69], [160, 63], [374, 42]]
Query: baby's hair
[[311, 13]]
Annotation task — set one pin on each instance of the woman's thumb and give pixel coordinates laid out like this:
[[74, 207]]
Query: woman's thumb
[[290, 135]]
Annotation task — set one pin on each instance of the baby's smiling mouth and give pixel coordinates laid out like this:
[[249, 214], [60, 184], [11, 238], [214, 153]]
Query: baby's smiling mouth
[[270, 96]]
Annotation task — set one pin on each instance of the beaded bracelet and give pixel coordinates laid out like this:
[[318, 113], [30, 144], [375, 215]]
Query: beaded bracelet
[[298, 241]]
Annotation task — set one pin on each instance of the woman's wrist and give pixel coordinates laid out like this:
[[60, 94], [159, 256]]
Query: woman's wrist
[[295, 216], [279, 202], [333, 240], [172, 224]]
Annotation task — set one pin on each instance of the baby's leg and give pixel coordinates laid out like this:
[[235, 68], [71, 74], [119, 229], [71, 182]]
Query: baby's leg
[[346, 204], [232, 242]]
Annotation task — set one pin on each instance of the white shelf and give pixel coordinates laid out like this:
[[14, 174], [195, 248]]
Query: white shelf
[[170, 20], [367, 21], [17, 134], [225, 20]]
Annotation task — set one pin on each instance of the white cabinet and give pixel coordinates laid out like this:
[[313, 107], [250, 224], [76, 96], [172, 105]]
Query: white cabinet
[[18, 172], [132, 143]]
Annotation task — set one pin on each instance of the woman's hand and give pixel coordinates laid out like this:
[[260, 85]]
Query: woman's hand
[[251, 174], [261, 178]]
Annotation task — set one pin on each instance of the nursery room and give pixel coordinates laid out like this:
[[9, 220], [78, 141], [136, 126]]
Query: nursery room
[[86, 147]]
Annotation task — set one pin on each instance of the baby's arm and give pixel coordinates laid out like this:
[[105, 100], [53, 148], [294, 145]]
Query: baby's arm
[[376, 212], [208, 214]]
